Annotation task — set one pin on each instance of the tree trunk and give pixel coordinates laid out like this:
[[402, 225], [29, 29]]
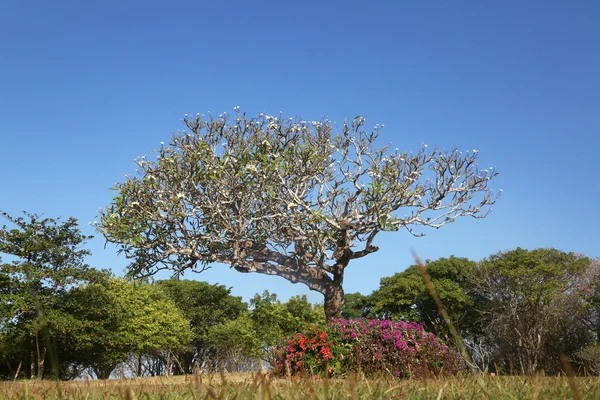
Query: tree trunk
[[139, 365], [41, 363], [169, 365], [103, 371], [334, 299], [32, 364]]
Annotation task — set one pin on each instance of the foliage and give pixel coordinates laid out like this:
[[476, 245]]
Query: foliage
[[274, 320], [404, 349], [46, 261], [254, 335], [153, 321], [531, 308], [104, 323], [372, 347], [284, 197], [357, 305], [589, 287], [312, 353], [236, 345], [303, 313], [589, 357], [206, 307], [92, 334], [404, 296]]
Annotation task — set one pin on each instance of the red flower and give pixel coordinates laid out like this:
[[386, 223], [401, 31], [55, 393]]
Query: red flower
[[302, 343], [326, 352]]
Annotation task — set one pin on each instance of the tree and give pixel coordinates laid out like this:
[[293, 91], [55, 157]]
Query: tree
[[236, 344], [274, 320], [271, 319], [284, 197], [590, 289], [531, 308], [109, 322], [405, 296], [303, 313], [204, 306], [47, 260], [90, 335], [356, 306]]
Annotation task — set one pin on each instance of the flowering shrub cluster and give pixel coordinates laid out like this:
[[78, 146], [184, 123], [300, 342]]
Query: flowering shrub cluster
[[313, 352], [372, 347], [401, 348]]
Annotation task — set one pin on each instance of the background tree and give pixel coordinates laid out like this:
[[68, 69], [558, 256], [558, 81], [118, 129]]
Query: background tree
[[100, 325], [404, 296], [530, 307], [273, 321], [46, 260], [284, 197], [92, 337], [236, 344], [204, 306], [303, 313], [589, 288], [357, 305], [152, 323]]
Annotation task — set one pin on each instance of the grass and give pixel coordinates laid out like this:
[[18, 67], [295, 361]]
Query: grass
[[259, 386]]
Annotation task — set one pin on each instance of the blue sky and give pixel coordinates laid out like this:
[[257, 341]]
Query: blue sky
[[85, 87]]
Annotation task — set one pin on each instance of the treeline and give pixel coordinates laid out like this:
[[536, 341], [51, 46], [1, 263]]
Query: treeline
[[114, 327], [514, 312], [59, 317]]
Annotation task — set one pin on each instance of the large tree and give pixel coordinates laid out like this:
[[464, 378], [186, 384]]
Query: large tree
[[285, 197]]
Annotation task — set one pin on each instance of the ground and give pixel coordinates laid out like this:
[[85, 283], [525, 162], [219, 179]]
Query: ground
[[251, 386]]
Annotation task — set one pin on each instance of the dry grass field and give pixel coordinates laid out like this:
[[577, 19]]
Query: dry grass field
[[258, 386]]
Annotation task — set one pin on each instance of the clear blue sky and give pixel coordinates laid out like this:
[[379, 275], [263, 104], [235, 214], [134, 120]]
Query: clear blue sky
[[85, 87]]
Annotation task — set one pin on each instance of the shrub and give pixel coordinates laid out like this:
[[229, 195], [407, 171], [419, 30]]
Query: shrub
[[372, 347], [315, 352], [589, 357]]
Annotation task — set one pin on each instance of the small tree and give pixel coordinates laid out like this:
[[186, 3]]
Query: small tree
[[531, 308], [111, 321], [205, 306], [284, 197], [404, 296]]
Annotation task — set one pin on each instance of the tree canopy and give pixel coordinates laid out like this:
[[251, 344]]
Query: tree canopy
[[405, 296], [285, 197], [47, 260], [531, 306]]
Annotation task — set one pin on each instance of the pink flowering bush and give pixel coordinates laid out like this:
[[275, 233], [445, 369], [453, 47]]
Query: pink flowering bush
[[372, 347]]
